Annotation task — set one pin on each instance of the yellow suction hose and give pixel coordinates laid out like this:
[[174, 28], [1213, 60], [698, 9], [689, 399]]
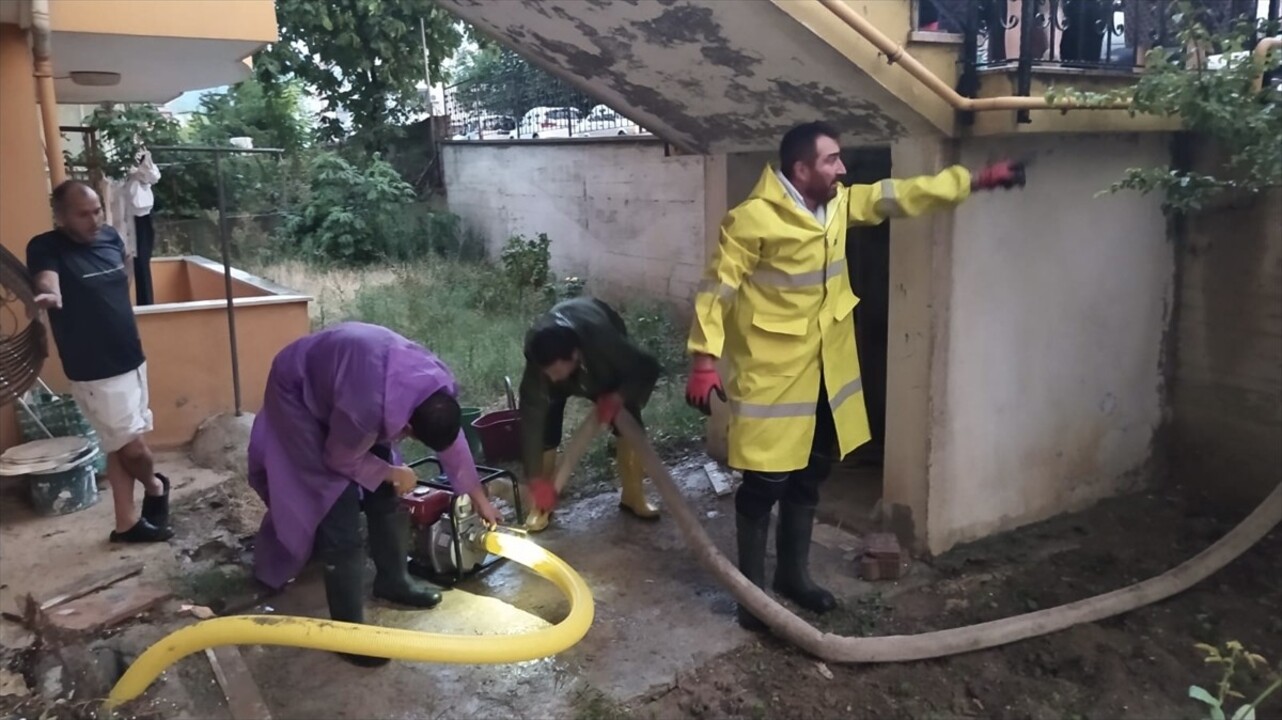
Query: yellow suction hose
[[902, 648], [376, 641]]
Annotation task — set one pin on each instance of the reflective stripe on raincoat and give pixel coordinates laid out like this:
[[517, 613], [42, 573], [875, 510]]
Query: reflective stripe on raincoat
[[776, 303]]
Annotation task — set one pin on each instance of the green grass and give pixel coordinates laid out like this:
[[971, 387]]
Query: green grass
[[464, 314]]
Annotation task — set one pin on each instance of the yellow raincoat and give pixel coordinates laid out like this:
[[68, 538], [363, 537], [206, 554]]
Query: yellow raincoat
[[776, 302]]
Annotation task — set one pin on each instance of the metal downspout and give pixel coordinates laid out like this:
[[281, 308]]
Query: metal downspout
[[42, 55]]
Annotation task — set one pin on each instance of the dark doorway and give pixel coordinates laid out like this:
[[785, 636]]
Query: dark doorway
[[852, 498], [868, 259]]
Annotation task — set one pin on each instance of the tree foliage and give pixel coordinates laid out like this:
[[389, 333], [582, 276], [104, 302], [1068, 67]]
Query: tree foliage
[[362, 57], [123, 130], [271, 115], [188, 187], [350, 214], [1217, 102], [497, 81]]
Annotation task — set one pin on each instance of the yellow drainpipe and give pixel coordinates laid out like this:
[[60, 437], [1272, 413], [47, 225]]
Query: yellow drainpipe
[[895, 53], [42, 54]]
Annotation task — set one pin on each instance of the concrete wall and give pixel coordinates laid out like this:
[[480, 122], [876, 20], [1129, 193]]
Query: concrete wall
[[619, 213], [1048, 382], [1227, 388], [920, 264]]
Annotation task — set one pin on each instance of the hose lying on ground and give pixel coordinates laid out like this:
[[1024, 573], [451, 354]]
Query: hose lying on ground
[[899, 648], [384, 642]]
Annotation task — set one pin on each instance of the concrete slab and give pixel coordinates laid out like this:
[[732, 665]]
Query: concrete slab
[[657, 615]]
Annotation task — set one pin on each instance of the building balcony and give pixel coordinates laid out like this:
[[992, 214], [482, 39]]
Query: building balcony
[[149, 50], [1029, 47]]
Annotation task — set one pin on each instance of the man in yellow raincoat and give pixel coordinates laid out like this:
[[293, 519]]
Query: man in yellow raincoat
[[776, 304]]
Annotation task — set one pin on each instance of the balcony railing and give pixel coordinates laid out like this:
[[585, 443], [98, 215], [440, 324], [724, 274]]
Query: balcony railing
[[1097, 35]]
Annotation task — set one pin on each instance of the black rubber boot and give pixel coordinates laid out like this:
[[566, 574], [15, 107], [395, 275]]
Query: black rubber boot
[[155, 509], [389, 547], [345, 592], [792, 574], [752, 534]]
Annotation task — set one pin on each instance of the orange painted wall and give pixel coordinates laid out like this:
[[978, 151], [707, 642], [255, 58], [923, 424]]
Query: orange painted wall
[[189, 362], [213, 19], [169, 282], [207, 284], [176, 282], [24, 191]]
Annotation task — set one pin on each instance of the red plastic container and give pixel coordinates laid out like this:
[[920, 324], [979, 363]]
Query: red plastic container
[[500, 434]]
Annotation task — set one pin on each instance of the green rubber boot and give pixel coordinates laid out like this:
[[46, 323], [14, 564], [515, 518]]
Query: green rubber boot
[[345, 594], [792, 547], [389, 547], [751, 534]]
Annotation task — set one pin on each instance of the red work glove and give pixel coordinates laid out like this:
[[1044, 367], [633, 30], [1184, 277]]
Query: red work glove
[[543, 493], [1005, 174], [702, 383], [608, 407]]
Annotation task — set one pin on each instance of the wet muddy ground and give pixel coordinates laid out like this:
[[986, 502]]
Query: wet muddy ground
[[664, 642]]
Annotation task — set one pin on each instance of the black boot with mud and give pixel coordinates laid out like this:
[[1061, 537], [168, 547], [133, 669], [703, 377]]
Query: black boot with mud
[[155, 508], [142, 532], [389, 547], [344, 591], [792, 575], [752, 534]]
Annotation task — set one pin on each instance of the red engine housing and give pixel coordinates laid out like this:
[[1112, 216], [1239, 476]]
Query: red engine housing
[[427, 505]]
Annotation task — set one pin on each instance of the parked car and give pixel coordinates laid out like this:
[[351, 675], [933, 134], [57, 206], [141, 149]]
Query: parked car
[[604, 122], [548, 122], [497, 127]]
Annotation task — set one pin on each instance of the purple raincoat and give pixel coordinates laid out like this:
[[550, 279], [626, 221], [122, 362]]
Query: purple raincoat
[[331, 397]]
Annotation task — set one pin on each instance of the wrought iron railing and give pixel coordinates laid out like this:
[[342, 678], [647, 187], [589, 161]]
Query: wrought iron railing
[[1099, 35]]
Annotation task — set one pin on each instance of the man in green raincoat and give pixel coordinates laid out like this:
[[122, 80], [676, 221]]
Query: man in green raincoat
[[580, 348]]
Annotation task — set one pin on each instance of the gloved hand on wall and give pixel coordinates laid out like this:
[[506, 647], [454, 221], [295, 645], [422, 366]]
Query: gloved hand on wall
[[1003, 174]]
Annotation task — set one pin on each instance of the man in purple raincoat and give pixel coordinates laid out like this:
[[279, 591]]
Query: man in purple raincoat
[[323, 449]]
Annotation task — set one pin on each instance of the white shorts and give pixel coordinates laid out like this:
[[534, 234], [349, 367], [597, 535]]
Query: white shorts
[[116, 407]]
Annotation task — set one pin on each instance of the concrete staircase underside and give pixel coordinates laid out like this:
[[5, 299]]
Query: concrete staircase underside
[[708, 76]]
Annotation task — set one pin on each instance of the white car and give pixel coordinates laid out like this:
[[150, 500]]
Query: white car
[[548, 122], [604, 122], [497, 127]]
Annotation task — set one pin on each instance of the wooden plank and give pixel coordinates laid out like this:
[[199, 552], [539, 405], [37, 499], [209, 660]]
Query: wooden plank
[[244, 699], [89, 584], [105, 607]]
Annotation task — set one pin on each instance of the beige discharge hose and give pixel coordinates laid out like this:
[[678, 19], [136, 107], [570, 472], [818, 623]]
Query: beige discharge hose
[[900, 648]]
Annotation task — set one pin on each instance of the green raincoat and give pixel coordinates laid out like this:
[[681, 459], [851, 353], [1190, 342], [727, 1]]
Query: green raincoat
[[609, 362]]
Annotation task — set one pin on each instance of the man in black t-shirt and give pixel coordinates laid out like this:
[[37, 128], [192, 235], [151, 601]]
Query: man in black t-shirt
[[79, 272]]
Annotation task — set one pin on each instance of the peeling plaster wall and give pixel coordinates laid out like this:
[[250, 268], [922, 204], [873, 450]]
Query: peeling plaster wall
[[712, 76], [1056, 306], [619, 213]]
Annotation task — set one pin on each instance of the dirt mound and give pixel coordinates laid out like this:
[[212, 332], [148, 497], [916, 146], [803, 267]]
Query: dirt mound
[[222, 442]]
